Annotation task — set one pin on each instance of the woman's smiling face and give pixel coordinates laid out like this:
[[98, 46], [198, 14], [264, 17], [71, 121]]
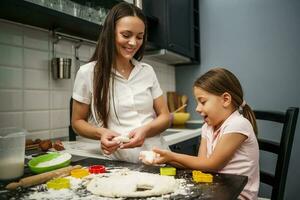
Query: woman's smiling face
[[129, 36]]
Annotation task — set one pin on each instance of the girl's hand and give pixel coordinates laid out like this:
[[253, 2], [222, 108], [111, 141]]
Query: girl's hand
[[165, 156], [137, 138], [107, 144], [148, 157]]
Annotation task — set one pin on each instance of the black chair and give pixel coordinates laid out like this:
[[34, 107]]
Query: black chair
[[283, 149], [72, 134]]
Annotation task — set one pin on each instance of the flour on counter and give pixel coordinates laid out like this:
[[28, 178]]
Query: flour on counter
[[79, 190]]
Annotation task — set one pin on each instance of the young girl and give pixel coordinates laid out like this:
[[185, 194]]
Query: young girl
[[228, 138]]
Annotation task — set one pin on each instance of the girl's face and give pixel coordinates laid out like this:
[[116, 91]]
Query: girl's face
[[213, 108], [129, 36]]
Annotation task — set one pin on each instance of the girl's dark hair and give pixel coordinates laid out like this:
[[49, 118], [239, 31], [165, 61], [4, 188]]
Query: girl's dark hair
[[105, 56], [219, 80]]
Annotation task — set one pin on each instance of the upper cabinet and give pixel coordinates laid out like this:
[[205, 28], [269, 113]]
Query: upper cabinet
[[173, 24], [177, 29], [69, 17]]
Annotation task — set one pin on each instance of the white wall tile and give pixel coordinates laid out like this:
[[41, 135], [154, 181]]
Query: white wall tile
[[45, 110], [36, 79], [35, 38], [36, 100], [64, 47], [11, 56], [11, 119], [11, 33], [43, 135], [36, 120], [60, 99], [58, 133], [36, 59], [59, 119], [11, 100], [92, 50], [61, 84], [84, 52], [11, 78]]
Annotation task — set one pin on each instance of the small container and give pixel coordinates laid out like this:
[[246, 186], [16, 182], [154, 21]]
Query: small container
[[79, 173], [61, 68], [97, 169], [167, 171], [35, 163], [179, 118], [12, 153], [200, 177]]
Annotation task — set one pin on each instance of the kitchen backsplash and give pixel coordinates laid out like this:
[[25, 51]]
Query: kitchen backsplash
[[30, 98]]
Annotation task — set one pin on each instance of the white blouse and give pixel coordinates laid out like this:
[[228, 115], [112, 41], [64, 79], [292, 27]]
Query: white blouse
[[133, 102]]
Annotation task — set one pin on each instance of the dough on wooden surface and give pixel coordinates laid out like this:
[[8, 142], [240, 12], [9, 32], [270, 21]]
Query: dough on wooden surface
[[132, 184]]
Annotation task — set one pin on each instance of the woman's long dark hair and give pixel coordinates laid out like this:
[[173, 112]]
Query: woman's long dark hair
[[219, 80], [105, 57]]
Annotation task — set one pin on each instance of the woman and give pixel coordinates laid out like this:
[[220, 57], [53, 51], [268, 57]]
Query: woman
[[115, 94]]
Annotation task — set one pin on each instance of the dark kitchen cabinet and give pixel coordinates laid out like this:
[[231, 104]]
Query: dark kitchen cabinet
[[189, 146], [39, 16], [177, 29], [28, 13]]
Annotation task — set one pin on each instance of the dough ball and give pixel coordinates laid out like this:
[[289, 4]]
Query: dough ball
[[122, 139], [148, 157]]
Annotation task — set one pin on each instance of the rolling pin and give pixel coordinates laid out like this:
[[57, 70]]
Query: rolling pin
[[41, 178]]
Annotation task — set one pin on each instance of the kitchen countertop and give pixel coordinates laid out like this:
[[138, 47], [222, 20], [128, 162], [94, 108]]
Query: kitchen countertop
[[224, 186], [176, 135], [90, 148]]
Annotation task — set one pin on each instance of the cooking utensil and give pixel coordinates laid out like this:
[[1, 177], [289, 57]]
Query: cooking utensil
[[168, 171], [61, 68], [41, 178], [180, 108], [59, 183], [184, 100]]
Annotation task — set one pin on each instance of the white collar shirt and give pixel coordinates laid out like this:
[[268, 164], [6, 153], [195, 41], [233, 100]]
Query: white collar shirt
[[133, 97]]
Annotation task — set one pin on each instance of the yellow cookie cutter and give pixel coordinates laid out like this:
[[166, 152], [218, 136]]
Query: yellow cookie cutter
[[168, 171], [200, 177], [79, 173], [59, 183]]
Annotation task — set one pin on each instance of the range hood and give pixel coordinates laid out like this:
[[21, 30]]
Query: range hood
[[165, 56]]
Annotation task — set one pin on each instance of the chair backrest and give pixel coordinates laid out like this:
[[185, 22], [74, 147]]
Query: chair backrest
[[72, 134], [282, 149]]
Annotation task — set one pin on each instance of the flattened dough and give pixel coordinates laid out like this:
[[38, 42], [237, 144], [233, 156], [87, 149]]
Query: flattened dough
[[131, 184]]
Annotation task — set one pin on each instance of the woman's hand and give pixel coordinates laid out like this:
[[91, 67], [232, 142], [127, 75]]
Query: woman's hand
[[107, 144], [137, 138]]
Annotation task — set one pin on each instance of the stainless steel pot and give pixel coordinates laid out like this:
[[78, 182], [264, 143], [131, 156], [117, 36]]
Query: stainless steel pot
[[61, 68]]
